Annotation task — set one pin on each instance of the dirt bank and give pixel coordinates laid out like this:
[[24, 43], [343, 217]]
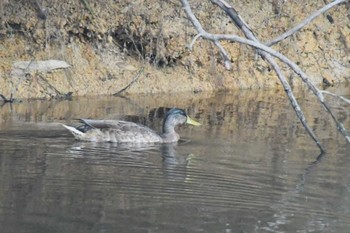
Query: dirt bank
[[105, 43]]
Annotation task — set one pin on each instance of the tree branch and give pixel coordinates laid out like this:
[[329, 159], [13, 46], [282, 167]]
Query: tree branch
[[305, 22], [337, 96], [319, 94], [198, 26], [136, 77], [267, 53], [255, 43], [287, 88], [227, 59], [190, 47]]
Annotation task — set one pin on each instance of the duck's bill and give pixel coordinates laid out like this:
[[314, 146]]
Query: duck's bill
[[192, 122]]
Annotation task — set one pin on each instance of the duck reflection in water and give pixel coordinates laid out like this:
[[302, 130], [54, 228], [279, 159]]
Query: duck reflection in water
[[174, 163]]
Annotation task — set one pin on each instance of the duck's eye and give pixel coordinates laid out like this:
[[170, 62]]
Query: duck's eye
[[176, 111], [181, 113]]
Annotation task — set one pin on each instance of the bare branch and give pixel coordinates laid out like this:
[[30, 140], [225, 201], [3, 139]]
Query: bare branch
[[193, 41], [292, 99], [227, 59], [198, 26], [236, 18], [337, 96], [267, 53], [291, 64], [250, 35], [255, 43], [136, 77], [305, 22]]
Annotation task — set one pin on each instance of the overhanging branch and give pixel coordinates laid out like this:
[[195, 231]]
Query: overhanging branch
[[305, 22], [267, 53]]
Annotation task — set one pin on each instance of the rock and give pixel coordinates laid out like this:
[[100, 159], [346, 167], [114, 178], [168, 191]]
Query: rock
[[21, 68], [41, 66]]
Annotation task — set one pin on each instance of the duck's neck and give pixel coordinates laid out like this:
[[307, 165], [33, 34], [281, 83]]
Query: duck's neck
[[169, 134]]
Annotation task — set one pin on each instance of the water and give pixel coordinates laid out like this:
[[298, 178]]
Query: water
[[249, 168]]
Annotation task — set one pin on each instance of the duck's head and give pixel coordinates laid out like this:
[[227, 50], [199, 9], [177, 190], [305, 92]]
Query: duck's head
[[175, 117]]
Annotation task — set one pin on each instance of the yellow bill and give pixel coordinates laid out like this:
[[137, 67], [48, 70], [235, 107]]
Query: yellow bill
[[192, 122]]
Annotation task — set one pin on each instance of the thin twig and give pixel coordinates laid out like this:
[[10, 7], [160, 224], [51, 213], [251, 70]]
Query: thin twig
[[136, 77], [337, 96], [227, 59], [198, 26], [305, 22], [42, 11], [87, 6], [193, 41]]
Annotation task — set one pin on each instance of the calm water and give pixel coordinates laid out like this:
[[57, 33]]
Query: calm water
[[249, 168]]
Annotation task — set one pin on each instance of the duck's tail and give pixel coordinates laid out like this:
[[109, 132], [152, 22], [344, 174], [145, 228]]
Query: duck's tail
[[77, 134]]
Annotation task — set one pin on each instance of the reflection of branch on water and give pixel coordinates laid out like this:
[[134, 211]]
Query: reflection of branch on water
[[7, 100], [282, 207], [136, 77], [10, 100], [132, 103]]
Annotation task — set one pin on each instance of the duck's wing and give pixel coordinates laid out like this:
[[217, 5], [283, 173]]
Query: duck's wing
[[101, 124], [115, 124], [124, 131]]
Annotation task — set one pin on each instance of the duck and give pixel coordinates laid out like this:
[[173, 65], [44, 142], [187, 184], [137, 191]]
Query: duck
[[120, 131]]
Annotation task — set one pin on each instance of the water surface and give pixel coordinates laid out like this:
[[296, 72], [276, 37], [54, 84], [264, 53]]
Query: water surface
[[249, 168]]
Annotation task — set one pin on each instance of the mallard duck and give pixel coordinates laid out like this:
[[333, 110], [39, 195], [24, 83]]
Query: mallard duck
[[126, 131]]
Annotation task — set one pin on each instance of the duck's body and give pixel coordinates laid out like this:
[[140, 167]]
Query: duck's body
[[130, 132]]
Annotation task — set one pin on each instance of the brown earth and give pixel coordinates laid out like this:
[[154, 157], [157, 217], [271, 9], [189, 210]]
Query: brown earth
[[107, 42]]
